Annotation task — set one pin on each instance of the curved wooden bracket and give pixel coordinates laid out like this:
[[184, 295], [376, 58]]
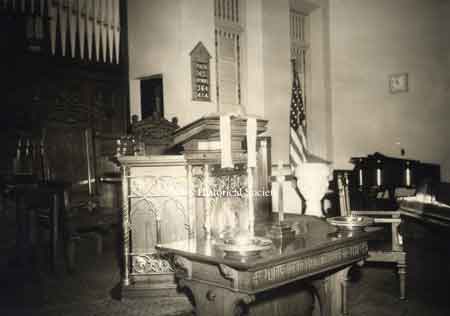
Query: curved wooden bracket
[[215, 300], [184, 264], [230, 273]]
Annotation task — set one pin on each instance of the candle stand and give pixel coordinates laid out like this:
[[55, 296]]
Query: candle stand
[[281, 229]]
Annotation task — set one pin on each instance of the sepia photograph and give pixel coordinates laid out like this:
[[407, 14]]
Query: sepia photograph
[[225, 157]]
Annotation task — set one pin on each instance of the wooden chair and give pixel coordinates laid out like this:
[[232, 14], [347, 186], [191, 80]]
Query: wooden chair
[[380, 250], [39, 207], [69, 158]]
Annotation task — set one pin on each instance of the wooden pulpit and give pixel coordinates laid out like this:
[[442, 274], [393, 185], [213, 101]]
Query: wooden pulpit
[[168, 198]]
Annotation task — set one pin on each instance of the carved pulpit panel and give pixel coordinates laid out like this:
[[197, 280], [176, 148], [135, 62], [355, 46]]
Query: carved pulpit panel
[[155, 132], [190, 196], [155, 210]]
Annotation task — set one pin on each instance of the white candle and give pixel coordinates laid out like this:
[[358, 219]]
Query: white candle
[[360, 177], [408, 176], [189, 201], [207, 224], [251, 206], [280, 201], [378, 176], [280, 191]]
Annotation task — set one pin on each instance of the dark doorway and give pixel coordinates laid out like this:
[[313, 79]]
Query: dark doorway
[[152, 100]]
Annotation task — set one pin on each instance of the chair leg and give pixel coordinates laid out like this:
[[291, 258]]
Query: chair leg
[[70, 254], [98, 240], [54, 233], [71, 247], [402, 279], [100, 245], [32, 237]]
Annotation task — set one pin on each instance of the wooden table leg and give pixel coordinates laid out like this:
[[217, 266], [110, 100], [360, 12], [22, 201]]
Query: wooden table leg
[[344, 286], [402, 279], [211, 300], [332, 293]]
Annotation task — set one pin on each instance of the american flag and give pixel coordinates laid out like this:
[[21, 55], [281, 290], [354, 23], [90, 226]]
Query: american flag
[[298, 146]]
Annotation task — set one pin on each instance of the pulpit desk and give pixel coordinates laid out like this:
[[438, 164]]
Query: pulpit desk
[[318, 260]]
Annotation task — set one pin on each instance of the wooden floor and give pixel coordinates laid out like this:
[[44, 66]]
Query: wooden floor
[[92, 289]]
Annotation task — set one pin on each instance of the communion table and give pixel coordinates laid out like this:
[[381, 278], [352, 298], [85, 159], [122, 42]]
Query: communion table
[[276, 281]]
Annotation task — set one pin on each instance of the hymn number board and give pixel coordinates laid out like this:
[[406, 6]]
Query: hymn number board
[[200, 72]]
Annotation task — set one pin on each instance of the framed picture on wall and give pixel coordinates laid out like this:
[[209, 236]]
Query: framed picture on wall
[[398, 83]]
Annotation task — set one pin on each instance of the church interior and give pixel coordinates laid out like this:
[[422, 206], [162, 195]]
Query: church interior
[[225, 157]]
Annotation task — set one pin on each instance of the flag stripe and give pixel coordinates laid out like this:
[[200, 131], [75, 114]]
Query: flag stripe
[[297, 153], [302, 134], [294, 158], [297, 148], [298, 142]]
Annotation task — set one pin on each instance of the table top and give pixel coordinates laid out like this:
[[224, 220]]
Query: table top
[[320, 237]]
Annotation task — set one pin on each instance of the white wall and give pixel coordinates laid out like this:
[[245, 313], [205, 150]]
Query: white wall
[[445, 167], [278, 83], [369, 40], [161, 35], [318, 85], [253, 81], [277, 75], [146, 32]]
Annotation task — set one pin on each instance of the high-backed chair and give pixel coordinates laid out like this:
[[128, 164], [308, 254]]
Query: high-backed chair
[[382, 249], [21, 185], [69, 158]]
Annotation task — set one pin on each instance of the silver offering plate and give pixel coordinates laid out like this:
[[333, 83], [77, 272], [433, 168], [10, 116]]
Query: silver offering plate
[[351, 222], [244, 247]]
